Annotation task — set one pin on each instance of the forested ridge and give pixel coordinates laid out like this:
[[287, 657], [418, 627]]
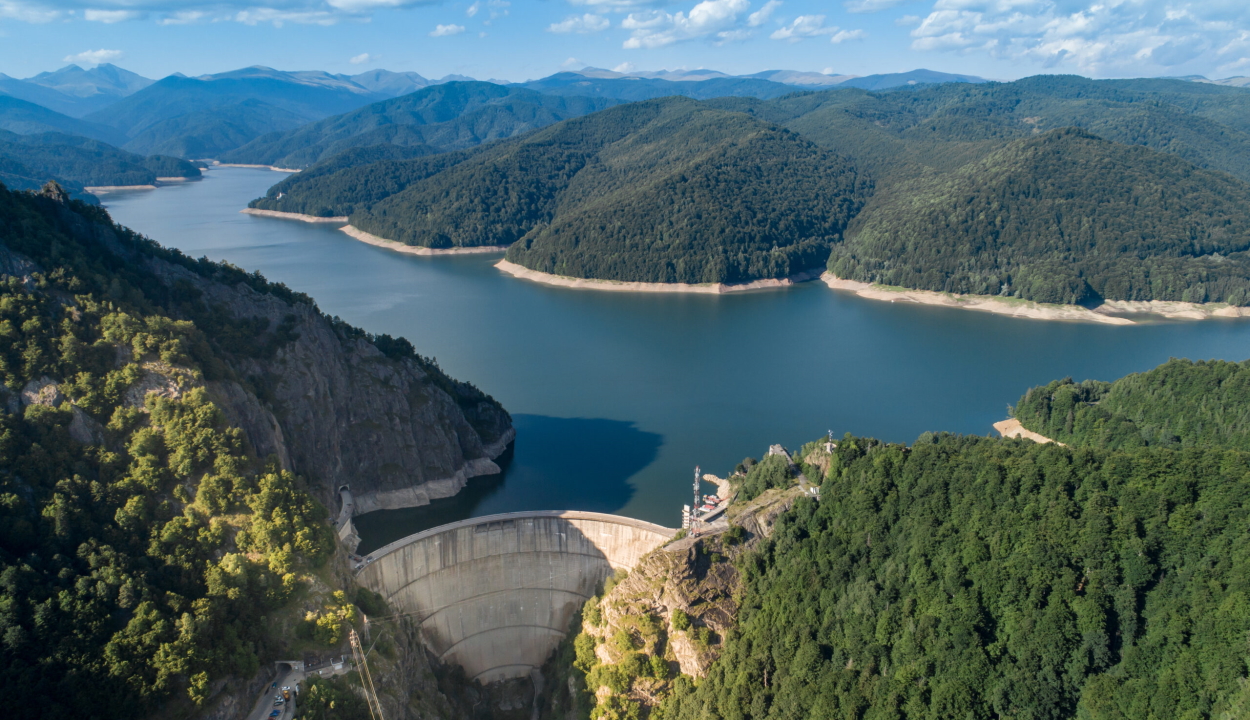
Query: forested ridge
[[980, 578], [448, 116], [1065, 217], [650, 191], [1178, 404], [1135, 206], [963, 576], [29, 161], [146, 551]]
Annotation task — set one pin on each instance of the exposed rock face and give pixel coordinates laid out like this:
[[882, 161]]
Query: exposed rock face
[[326, 402], [342, 413]]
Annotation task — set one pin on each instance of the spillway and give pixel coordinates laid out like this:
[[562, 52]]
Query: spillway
[[495, 594]]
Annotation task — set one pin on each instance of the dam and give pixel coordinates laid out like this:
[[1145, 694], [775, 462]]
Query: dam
[[495, 594]]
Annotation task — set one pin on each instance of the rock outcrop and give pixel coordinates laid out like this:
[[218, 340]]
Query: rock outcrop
[[341, 412], [311, 390]]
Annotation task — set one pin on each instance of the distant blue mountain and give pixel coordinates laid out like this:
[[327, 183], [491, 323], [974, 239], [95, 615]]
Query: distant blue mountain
[[914, 77], [27, 118], [633, 88], [74, 91]]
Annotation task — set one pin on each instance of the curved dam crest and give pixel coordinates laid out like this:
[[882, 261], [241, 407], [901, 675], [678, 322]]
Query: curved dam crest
[[495, 594]]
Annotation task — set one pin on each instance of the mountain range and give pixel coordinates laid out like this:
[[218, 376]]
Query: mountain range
[[993, 188], [210, 115], [450, 116]]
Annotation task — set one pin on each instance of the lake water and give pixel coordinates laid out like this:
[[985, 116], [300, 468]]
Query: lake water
[[617, 396]]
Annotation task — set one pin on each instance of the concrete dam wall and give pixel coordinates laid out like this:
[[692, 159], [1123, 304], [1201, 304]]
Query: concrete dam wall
[[495, 594]]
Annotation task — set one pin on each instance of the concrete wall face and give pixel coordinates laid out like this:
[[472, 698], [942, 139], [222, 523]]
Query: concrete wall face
[[495, 595]]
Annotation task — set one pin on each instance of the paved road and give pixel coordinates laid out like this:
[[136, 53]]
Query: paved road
[[264, 704]]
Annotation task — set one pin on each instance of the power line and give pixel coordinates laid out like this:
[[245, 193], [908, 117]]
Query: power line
[[366, 678]]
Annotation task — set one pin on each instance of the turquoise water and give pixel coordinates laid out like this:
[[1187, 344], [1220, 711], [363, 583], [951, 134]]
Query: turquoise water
[[617, 396]]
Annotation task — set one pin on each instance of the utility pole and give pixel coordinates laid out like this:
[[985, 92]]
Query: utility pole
[[366, 679], [694, 523]]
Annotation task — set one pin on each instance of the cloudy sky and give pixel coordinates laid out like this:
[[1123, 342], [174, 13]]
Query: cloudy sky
[[520, 39]]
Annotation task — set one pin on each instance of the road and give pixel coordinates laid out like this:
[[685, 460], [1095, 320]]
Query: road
[[264, 704]]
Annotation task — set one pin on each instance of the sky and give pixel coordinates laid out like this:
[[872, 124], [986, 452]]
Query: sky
[[517, 40]]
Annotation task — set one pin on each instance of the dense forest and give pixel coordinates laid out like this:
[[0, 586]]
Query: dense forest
[[449, 116], [961, 576], [574, 192], [1178, 404], [1064, 217], [980, 578], [147, 552], [29, 161], [947, 164], [907, 133]]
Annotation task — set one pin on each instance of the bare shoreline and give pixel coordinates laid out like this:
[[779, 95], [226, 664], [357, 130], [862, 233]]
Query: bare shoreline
[[1011, 428], [292, 216], [262, 167], [381, 242], [1108, 313], [618, 286], [98, 189]]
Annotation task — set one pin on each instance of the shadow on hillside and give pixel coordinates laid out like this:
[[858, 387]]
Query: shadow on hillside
[[555, 464]]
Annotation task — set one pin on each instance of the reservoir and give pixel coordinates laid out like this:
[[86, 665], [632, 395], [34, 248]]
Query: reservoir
[[616, 397]]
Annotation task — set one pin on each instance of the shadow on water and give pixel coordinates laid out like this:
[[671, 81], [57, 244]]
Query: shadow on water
[[555, 464]]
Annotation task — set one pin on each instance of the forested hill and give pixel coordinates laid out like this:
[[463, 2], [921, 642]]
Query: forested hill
[[925, 150], [964, 576], [939, 128], [450, 116], [1178, 404], [666, 190], [162, 459], [1065, 217], [968, 577], [29, 161]]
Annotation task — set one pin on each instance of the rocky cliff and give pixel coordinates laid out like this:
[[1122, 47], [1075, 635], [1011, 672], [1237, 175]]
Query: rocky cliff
[[151, 407], [317, 393], [664, 622], [338, 410]]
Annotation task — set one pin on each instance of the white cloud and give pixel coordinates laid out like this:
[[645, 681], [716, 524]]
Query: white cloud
[[572, 62], [361, 59], [445, 30], [94, 57], [184, 17], [843, 35], [26, 12], [619, 5], [258, 16], [761, 16], [111, 16], [708, 19], [588, 23], [472, 9], [804, 26], [1131, 37], [871, 6], [907, 20], [625, 67]]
